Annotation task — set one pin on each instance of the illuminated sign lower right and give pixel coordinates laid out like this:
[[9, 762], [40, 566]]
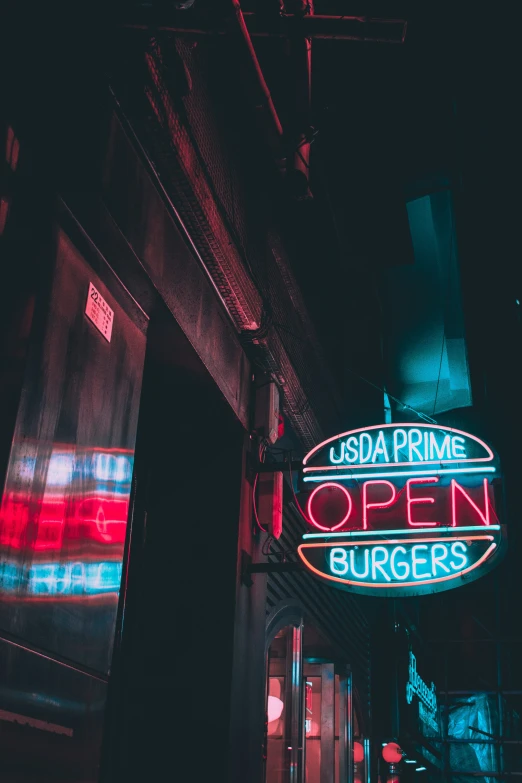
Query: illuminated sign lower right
[[402, 510]]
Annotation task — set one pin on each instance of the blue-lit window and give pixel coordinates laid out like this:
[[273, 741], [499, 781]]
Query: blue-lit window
[[425, 337]]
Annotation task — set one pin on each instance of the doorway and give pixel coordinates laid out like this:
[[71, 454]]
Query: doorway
[[178, 611], [309, 714], [328, 722]]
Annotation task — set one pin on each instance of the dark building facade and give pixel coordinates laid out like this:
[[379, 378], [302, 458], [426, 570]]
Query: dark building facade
[[148, 235], [176, 238]]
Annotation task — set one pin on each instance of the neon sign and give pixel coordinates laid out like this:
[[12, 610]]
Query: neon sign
[[401, 509], [427, 695], [390, 445]]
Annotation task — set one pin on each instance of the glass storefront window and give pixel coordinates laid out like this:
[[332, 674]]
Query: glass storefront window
[[309, 720]]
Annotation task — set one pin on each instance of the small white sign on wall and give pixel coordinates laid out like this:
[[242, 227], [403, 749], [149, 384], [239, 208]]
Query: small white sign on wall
[[98, 311]]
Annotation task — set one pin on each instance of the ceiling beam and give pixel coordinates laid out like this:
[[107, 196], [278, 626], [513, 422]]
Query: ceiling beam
[[340, 28]]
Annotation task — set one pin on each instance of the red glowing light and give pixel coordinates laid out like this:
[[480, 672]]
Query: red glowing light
[[366, 505], [358, 752], [329, 484], [280, 427], [309, 698], [484, 516], [411, 501], [392, 753], [274, 708]]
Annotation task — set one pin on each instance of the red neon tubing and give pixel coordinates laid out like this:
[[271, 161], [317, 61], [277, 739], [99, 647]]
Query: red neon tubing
[[314, 493], [367, 506]]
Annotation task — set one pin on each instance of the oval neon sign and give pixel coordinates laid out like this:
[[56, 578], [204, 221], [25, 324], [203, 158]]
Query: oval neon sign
[[401, 509]]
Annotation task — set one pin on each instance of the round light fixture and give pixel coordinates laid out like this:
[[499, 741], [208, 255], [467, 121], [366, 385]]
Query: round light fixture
[[358, 752], [274, 708], [392, 753]]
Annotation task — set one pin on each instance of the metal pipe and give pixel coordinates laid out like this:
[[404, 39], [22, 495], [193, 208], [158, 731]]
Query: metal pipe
[[263, 86], [347, 28], [301, 65], [321, 26], [498, 650], [274, 568]]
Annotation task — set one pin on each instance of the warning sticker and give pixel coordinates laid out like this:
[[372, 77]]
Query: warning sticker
[[98, 311]]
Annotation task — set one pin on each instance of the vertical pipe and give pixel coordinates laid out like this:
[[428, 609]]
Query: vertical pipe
[[367, 761], [302, 52], [344, 721], [327, 723], [297, 720], [396, 696], [265, 92], [498, 652], [447, 771], [301, 65], [349, 737], [302, 746]]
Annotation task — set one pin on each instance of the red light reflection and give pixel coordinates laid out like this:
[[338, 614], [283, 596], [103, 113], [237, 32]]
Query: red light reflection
[[59, 523]]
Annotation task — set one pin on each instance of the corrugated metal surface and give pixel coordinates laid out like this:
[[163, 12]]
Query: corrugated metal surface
[[338, 615]]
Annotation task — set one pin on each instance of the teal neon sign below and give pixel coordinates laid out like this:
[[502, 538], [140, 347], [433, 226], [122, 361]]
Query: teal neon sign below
[[427, 695], [399, 563], [417, 687], [413, 566]]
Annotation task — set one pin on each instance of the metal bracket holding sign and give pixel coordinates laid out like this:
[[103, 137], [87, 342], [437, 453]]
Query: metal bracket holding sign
[[248, 568]]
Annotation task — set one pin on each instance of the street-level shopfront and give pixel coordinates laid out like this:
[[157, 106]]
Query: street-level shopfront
[[127, 503]]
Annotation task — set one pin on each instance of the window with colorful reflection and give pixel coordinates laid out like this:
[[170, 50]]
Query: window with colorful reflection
[[63, 521]]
